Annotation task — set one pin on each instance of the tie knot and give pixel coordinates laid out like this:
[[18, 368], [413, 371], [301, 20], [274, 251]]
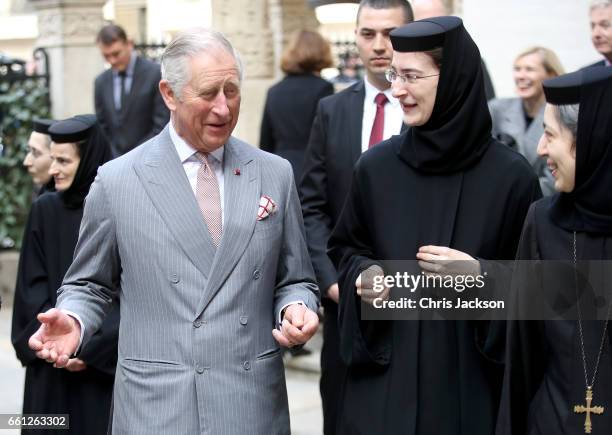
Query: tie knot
[[381, 99], [202, 157], [123, 74]]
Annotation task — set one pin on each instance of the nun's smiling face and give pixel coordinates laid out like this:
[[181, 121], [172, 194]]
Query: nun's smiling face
[[557, 146], [65, 161], [415, 86]]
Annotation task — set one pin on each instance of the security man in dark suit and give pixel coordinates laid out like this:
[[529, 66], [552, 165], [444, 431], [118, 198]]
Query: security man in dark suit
[[345, 125], [128, 104]]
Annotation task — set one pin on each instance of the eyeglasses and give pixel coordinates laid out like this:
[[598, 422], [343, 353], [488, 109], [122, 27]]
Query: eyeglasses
[[391, 75]]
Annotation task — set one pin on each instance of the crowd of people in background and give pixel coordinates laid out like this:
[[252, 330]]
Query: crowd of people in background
[[205, 244]]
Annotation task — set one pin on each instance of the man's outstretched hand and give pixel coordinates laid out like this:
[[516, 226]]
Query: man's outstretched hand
[[57, 338], [299, 325]]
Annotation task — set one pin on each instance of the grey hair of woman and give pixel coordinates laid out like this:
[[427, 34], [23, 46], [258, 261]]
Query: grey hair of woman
[[567, 117], [186, 45]]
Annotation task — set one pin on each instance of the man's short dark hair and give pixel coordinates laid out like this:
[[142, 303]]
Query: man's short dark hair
[[110, 34], [388, 4]]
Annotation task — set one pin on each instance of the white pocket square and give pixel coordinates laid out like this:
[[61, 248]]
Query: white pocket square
[[267, 207]]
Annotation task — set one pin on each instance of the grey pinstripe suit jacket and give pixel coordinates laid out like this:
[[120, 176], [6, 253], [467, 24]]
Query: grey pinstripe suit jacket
[[196, 351]]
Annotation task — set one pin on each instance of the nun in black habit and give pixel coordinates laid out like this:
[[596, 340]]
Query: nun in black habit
[[550, 364], [84, 389], [444, 189]]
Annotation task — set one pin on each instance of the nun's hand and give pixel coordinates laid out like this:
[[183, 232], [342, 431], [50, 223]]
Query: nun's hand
[[446, 261], [369, 285]]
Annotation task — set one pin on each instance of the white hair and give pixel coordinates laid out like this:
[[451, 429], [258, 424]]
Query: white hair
[[567, 116], [187, 44], [600, 4]]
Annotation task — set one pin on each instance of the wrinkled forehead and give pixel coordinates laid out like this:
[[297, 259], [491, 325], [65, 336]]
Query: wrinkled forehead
[[214, 66], [601, 12]]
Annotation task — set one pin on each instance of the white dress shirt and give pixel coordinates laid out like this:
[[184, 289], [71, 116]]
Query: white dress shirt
[[191, 164], [394, 115]]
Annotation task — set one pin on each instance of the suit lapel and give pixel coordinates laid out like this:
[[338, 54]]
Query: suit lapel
[[242, 187], [354, 112], [166, 183]]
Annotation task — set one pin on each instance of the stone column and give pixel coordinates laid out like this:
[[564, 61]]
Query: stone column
[[67, 30], [258, 29], [287, 16], [245, 23]]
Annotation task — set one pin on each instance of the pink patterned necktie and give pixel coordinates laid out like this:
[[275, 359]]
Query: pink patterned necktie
[[209, 198], [378, 127]]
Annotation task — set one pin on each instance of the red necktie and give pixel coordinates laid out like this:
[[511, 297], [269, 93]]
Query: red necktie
[[379, 120]]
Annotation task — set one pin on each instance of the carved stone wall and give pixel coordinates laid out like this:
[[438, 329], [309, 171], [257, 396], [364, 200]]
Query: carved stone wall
[[246, 25], [259, 29], [67, 29]]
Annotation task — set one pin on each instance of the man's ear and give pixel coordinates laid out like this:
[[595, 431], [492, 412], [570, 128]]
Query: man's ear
[[168, 95]]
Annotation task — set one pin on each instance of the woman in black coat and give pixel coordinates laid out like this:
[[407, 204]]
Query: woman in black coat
[[291, 104], [84, 388]]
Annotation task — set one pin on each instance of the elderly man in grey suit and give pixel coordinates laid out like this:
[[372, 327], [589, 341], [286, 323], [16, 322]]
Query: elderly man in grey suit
[[200, 236]]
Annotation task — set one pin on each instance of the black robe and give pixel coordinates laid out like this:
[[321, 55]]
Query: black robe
[[49, 240], [544, 371], [425, 377]]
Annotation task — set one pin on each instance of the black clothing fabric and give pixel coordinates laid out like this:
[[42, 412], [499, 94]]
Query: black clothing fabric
[[41, 125], [445, 183], [333, 148], [589, 206], [49, 241], [288, 114], [143, 112], [544, 375], [424, 377], [595, 64], [73, 129]]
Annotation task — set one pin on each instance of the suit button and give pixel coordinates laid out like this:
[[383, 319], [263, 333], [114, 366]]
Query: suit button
[[199, 369], [246, 365], [174, 278], [197, 323], [256, 274], [244, 320]]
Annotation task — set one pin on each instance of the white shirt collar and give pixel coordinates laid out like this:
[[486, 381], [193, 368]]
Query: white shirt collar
[[186, 151], [371, 92]]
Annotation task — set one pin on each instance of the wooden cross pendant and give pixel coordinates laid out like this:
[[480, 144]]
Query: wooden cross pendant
[[588, 409]]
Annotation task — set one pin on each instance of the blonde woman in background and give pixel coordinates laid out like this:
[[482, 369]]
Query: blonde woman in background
[[518, 121]]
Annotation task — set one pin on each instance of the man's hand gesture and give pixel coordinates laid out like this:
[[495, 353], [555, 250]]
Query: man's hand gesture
[[57, 338], [299, 325]]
